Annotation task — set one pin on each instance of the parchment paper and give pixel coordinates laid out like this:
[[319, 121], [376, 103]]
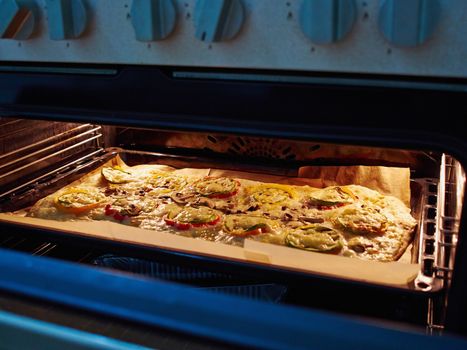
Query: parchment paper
[[386, 180]]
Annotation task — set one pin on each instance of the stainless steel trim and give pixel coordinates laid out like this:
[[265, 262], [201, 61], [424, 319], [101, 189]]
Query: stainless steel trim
[[59, 70], [319, 80]]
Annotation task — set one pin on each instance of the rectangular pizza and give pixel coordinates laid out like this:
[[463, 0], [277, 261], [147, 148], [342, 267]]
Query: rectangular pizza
[[352, 220]]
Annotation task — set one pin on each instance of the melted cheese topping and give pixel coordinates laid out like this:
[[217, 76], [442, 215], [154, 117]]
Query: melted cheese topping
[[363, 219], [316, 237], [365, 224], [331, 196], [165, 182], [116, 175], [272, 194], [215, 186]]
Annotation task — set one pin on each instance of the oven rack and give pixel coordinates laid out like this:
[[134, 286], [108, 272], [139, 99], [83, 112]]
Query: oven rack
[[444, 227], [439, 223], [39, 154], [452, 185], [428, 239], [34, 151]]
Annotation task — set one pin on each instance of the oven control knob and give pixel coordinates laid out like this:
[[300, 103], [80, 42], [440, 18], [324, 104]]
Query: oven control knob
[[218, 20], [153, 20], [17, 20], [327, 21], [408, 23], [67, 19]]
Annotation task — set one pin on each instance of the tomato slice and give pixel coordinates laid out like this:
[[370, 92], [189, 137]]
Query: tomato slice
[[109, 211], [255, 230], [183, 226], [330, 207]]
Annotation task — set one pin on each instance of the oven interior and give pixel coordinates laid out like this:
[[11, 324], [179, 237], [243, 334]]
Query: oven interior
[[38, 157]]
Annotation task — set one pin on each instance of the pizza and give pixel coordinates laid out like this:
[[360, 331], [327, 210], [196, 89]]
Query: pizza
[[350, 220]]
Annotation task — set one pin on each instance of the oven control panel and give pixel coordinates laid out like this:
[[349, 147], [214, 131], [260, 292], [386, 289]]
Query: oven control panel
[[406, 37]]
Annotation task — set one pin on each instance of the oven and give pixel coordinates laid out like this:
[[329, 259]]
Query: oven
[[240, 86]]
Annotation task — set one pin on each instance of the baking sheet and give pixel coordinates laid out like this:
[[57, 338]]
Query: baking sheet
[[390, 181]]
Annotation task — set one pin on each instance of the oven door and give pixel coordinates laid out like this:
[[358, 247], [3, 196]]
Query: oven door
[[171, 315]]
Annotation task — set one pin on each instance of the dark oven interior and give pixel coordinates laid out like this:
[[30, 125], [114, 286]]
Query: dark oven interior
[[37, 157]]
